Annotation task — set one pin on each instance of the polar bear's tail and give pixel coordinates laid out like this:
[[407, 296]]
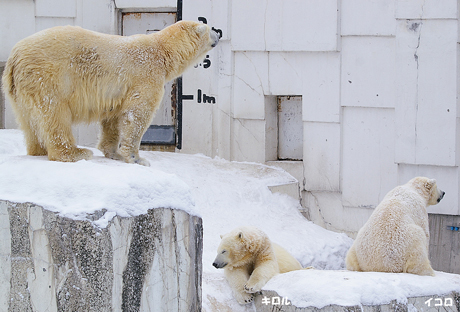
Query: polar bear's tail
[[8, 79]]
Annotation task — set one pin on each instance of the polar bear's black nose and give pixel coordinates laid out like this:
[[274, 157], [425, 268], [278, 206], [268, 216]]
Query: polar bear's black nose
[[442, 196], [215, 265]]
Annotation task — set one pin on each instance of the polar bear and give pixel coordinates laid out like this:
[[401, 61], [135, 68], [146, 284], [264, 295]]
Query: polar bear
[[65, 75], [396, 237], [250, 259]]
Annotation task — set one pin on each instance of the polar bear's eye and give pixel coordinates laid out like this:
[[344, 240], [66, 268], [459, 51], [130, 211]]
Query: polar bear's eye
[[223, 251]]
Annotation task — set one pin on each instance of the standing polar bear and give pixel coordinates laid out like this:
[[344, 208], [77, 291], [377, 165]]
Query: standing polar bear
[[66, 75], [396, 237], [250, 259]]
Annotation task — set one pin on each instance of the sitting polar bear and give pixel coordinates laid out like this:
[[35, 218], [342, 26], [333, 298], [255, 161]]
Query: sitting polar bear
[[65, 75], [250, 259], [396, 237]]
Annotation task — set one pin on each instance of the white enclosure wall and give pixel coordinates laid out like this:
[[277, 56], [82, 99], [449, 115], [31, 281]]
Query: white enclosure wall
[[377, 81], [378, 85]]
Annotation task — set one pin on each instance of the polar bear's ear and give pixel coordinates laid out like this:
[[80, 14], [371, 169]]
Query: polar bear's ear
[[430, 183], [221, 236], [201, 29]]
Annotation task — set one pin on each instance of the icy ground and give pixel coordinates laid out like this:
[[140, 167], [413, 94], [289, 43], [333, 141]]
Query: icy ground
[[226, 195]]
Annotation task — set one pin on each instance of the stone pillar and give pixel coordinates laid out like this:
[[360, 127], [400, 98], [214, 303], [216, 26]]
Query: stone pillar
[[151, 262]]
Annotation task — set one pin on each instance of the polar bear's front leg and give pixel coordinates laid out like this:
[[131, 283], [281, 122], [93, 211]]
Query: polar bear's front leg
[[237, 277], [133, 124], [261, 275]]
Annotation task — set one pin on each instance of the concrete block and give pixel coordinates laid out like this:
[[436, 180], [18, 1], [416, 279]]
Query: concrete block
[[426, 9], [250, 84], [368, 71], [14, 28], [56, 8], [290, 189], [426, 105], [248, 141], [321, 87], [269, 300], [447, 179], [368, 167], [216, 15], [322, 156], [151, 262], [368, 18], [284, 25], [294, 168]]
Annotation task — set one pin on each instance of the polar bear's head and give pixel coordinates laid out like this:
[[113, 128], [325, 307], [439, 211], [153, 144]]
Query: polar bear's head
[[239, 247], [185, 44], [429, 189]]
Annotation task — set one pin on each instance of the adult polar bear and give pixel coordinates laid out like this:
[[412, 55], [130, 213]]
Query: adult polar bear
[[66, 75], [396, 236]]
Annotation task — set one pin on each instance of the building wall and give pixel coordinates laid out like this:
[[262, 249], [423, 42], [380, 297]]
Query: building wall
[[378, 81]]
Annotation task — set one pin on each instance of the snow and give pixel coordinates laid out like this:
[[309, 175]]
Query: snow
[[319, 288], [226, 195]]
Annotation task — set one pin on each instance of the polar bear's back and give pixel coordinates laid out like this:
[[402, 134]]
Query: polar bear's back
[[388, 233], [286, 262], [91, 72]]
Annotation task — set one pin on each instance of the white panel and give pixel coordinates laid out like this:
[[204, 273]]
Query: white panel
[[247, 25], [314, 75], [368, 71], [368, 168], [426, 9], [321, 87], [322, 156], [298, 25], [56, 8], [407, 35], [301, 25], [368, 17], [98, 15], [248, 140], [446, 179], [426, 92], [13, 28], [287, 71], [197, 128], [290, 128], [147, 4], [216, 15], [48, 22], [250, 84]]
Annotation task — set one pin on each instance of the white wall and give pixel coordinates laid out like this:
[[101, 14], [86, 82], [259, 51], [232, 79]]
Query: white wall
[[378, 81]]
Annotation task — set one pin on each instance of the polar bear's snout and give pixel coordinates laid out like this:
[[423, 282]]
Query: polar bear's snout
[[218, 264], [441, 195], [214, 37]]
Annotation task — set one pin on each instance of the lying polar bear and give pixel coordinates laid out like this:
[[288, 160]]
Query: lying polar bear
[[396, 237], [250, 260]]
